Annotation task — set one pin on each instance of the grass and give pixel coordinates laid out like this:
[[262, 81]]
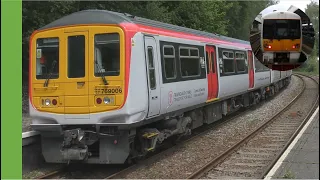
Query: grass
[[288, 175], [310, 67], [306, 72]]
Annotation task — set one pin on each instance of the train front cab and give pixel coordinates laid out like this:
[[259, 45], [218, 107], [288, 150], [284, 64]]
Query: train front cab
[[76, 75], [281, 37]]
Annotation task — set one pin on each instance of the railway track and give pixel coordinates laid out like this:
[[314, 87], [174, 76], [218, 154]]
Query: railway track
[[254, 155], [154, 157], [52, 175], [125, 172]]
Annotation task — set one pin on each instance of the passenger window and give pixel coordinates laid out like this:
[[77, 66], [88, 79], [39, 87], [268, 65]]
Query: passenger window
[[47, 58], [152, 76], [241, 62], [241, 65], [225, 55], [107, 54], [228, 62], [228, 65], [184, 52], [194, 52], [169, 62], [76, 56], [190, 63]]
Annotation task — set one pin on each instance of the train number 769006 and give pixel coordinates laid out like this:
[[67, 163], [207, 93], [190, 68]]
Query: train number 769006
[[108, 90]]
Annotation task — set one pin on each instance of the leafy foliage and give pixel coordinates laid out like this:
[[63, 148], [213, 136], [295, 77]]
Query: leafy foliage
[[312, 64], [312, 11], [241, 16]]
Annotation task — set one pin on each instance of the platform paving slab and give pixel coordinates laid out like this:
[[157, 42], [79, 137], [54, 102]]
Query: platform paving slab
[[303, 160]]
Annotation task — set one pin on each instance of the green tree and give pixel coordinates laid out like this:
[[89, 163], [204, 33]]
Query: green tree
[[312, 64], [312, 11], [36, 14], [201, 15], [222, 17], [241, 15]]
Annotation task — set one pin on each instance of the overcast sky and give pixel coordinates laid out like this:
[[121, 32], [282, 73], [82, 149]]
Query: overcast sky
[[285, 4]]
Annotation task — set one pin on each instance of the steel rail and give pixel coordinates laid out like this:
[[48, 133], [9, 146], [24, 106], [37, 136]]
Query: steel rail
[[210, 165], [121, 174], [305, 120]]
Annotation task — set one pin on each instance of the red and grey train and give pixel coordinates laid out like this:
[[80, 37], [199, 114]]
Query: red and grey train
[[106, 87]]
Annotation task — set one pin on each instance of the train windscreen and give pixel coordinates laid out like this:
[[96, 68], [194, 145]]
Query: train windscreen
[[47, 58], [107, 54], [281, 29]]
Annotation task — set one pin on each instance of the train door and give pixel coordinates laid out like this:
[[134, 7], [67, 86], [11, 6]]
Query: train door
[[76, 87], [208, 60], [251, 70], [213, 84], [153, 76], [214, 73]]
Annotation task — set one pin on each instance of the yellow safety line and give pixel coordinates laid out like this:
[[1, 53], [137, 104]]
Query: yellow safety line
[[211, 100]]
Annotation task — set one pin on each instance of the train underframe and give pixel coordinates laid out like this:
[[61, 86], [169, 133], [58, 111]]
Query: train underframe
[[282, 57], [113, 145]]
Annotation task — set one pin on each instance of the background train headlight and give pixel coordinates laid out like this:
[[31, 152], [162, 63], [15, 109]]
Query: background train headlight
[[267, 46], [296, 46], [47, 102], [107, 100]]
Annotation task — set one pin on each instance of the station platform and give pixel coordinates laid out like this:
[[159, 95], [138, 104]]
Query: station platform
[[301, 159]]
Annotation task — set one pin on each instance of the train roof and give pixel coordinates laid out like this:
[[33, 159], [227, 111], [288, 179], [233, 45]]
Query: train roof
[[282, 14], [299, 12], [258, 18], [109, 17]]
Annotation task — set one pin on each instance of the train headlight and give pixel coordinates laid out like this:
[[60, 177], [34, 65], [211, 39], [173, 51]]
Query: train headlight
[[47, 102], [107, 100], [296, 46], [267, 46]]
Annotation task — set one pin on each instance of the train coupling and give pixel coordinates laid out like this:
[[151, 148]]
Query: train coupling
[[73, 145]]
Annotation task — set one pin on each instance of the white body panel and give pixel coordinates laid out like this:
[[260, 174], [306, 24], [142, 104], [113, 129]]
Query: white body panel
[[183, 94], [275, 76], [152, 62], [234, 84], [262, 79]]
